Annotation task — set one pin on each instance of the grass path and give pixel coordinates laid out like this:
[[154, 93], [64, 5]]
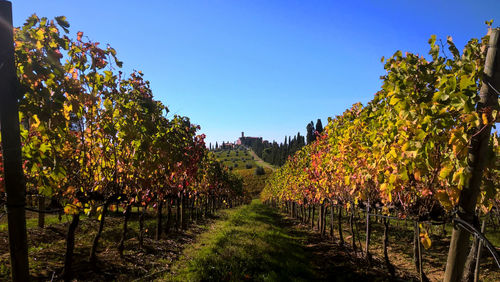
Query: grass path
[[257, 243], [251, 243], [259, 161]]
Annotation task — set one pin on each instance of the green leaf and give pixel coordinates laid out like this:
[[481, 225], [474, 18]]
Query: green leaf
[[44, 147], [394, 100], [61, 20], [432, 40], [108, 75], [445, 171], [466, 82]]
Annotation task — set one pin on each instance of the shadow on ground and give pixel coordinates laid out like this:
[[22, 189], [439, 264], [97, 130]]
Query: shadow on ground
[[256, 243]]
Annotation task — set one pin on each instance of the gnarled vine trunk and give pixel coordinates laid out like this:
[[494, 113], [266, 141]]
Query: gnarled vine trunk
[[95, 242], [169, 216], [41, 215], [121, 244], [159, 217], [341, 237], [70, 247], [141, 227], [368, 234], [351, 225], [388, 264], [331, 222]]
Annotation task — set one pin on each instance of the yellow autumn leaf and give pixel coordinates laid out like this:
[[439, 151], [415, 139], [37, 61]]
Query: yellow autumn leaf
[[405, 146], [457, 175], [444, 199], [383, 186], [70, 209], [424, 238], [66, 110], [392, 178], [39, 34], [87, 210], [416, 174], [445, 171], [36, 121], [484, 116]]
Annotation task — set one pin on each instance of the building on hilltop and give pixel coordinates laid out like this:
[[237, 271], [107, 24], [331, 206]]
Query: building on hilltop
[[247, 140]]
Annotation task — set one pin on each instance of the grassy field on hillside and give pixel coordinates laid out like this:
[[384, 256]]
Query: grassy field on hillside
[[241, 162], [236, 159]]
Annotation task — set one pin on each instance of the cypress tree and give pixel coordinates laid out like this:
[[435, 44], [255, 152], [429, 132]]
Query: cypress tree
[[301, 142], [310, 137], [319, 126]]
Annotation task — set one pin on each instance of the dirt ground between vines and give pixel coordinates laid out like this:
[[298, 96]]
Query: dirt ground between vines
[[47, 248], [333, 260]]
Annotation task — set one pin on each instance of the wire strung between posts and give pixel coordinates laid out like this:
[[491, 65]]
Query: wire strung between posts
[[405, 219], [44, 211], [52, 211], [8, 208], [493, 88], [38, 210], [386, 216], [471, 229]]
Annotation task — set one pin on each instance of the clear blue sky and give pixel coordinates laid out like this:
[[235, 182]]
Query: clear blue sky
[[261, 66]]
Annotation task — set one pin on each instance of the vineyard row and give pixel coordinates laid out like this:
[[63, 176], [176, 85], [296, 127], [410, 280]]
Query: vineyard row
[[93, 137], [422, 148]]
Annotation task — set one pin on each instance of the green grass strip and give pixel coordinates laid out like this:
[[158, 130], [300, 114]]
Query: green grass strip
[[249, 243]]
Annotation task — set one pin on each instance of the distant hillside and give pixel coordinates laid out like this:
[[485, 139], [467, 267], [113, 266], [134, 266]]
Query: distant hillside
[[276, 153], [241, 162]]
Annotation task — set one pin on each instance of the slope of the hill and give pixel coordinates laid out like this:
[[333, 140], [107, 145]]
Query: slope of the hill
[[245, 163]]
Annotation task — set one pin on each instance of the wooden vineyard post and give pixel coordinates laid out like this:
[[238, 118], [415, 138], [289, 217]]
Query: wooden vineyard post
[[11, 149], [478, 148], [159, 220], [341, 237], [70, 247], [312, 218], [419, 249], [368, 233], [351, 225], [478, 258], [385, 245], [41, 215], [332, 211]]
